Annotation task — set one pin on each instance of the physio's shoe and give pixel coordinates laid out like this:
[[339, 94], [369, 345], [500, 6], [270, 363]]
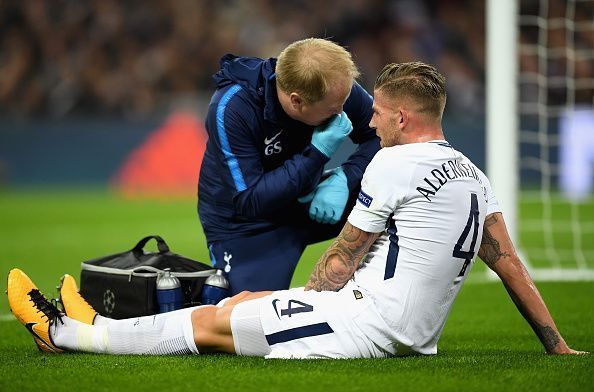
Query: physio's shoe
[[32, 309], [73, 303]]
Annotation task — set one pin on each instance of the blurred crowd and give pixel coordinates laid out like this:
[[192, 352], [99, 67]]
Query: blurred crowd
[[567, 62], [134, 58]]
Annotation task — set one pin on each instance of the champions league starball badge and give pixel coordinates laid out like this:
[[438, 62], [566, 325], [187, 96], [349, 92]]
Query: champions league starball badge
[[108, 301]]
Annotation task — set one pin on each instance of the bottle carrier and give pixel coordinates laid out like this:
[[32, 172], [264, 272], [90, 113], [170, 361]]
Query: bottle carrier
[[123, 285]]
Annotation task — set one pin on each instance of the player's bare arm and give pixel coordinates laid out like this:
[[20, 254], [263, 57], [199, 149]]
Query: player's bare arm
[[338, 264], [498, 252]]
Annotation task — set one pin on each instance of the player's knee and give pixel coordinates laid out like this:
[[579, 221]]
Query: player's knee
[[203, 324], [212, 329]]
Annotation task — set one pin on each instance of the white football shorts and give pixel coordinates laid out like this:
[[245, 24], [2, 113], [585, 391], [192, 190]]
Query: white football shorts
[[308, 324]]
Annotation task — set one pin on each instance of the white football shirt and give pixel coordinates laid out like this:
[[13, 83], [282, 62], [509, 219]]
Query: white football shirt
[[430, 203]]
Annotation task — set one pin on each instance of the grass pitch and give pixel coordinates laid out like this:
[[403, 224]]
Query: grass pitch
[[486, 345]]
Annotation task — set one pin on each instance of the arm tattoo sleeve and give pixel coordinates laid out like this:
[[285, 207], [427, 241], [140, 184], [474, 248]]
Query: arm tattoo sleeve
[[548, 336], [338, 264], [490, 250], [496, 247]]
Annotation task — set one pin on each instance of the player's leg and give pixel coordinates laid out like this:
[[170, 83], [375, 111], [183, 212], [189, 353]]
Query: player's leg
[[265, 261], [212, 325], [167, 333], [295, 324], [309, 324], [184, 331], [53, 331]]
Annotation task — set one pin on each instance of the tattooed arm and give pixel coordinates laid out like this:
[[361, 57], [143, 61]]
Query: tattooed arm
[[338, 264], [498, 252]]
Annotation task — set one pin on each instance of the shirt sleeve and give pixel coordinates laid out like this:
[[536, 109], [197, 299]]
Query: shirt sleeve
[[383, 189], [255, 192], [492, 203]]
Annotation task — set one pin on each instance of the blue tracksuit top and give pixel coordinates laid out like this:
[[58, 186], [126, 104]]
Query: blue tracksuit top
[[258, 160]]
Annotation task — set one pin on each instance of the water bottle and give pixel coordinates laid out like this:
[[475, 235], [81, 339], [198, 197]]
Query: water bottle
[[169, 292], [216, 287]]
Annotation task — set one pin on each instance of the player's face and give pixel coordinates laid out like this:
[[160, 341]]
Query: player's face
[[319, 112], [386, 120]]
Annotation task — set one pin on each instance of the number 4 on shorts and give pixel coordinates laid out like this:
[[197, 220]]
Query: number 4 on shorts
[[301, 307]]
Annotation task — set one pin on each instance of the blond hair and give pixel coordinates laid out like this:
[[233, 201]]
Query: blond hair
[[415, 80], [310, 66]]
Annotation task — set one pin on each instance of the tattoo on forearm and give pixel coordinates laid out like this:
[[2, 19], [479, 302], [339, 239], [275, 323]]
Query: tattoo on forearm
[[547, 335], [341, 259], [490, 250]]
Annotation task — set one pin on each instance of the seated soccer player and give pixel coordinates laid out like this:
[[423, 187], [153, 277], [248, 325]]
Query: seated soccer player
[[384, 287]]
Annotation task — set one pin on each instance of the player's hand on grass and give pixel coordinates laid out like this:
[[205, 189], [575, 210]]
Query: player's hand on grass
[[568, 351], [327, 138], [563, 349]]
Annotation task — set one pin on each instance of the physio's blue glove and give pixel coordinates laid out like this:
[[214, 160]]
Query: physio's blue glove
[[327, 139], [329, 198]]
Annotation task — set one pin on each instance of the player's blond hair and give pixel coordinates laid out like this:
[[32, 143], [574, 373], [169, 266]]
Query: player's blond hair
[[415, 80], [310, 66]]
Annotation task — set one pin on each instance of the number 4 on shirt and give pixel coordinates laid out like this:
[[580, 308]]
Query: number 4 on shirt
[[473, 221]]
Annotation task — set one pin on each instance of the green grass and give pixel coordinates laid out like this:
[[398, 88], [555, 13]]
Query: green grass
[[486, 345], [537, 239]]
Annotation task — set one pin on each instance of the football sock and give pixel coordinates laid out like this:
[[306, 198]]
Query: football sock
[[165, 333], [100, 320]]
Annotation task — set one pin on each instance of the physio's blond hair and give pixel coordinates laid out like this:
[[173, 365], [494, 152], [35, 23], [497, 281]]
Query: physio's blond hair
[[310, 66], [417, 81]]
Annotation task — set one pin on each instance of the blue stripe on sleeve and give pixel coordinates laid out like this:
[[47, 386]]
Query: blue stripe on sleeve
[[392, 251], [298, 333], [222, 131], [213, 259]]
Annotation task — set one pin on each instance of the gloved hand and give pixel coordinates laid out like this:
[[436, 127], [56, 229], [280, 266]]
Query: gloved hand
[[327, 139], [329, 198]]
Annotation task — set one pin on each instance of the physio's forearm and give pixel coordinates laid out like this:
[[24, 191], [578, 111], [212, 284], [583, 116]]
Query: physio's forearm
[[274, 190]]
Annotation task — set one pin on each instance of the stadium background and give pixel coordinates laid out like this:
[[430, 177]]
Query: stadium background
[[101, 107], [87, 81]]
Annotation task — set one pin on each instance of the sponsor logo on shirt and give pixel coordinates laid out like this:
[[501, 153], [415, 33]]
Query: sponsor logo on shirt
[[270, 147], [268, 141], [365, 199]]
